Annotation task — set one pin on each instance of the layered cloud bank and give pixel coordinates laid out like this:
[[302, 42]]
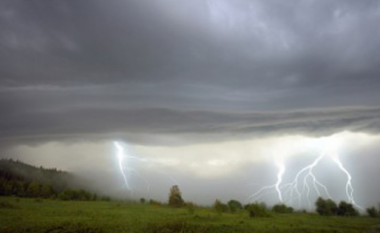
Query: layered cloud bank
[[139, 69], [152, 126]]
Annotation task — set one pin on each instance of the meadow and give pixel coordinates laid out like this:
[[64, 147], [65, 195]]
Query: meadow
[[57, 216]]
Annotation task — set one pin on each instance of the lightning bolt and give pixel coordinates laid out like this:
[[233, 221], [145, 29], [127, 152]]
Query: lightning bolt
[[123, 160], [349, 187], [277, 186], [307, 173], [124, 163], [120, 158], [306, 181], [281, 171], [292, 188]]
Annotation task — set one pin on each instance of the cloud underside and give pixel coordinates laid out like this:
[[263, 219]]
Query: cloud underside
[[176, 71], [152, 126]]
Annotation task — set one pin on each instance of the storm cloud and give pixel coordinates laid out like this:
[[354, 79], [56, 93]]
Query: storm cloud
[[130, 68], [147, 126]]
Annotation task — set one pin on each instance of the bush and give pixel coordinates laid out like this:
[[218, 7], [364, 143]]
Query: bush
[[372, 212], [154, 202], [282, 209], [326, 207], [329, 207], [234, 206], [257, 210], [78, 195], [346, 209], [220, 207]]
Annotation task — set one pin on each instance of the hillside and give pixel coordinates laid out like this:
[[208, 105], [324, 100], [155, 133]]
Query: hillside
[[16, 170], [23, 180]]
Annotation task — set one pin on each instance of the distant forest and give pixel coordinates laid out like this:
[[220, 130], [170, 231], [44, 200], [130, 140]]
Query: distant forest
[[23, 180]]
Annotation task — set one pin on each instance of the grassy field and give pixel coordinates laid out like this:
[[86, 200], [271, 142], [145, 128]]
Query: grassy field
[[35, 215]]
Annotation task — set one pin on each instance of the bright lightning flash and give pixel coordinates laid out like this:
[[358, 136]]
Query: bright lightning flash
[[120, 158], [124, 162], [281, 167], [305, 180], [349, 188]]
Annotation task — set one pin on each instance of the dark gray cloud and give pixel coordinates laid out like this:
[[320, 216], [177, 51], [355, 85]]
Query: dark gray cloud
[[133, 68], [147, 126]]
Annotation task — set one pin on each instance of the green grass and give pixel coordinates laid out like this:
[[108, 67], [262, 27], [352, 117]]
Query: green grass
[[54, 216]]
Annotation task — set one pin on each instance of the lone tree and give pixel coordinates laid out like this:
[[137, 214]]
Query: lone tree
[[175, 198]]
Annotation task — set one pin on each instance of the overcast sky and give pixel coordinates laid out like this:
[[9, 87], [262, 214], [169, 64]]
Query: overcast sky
[[197, 82]]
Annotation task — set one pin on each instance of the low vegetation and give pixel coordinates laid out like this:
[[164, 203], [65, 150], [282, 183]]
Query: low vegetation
[[29, 205], [373, 212], [29, 215], [220, 207], [329, 207], [282, 209], [258, 210]]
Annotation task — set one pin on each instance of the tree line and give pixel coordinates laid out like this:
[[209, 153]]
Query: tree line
[[40, 183], [16, 170], [324, 207]]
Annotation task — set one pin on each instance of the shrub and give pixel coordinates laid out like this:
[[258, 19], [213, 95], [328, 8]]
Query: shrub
[[154, 202], [78, 195], [219, 207], [346, 209], [326, 207], [282, 209], [234, 206], [372, 212], [257, 210]]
